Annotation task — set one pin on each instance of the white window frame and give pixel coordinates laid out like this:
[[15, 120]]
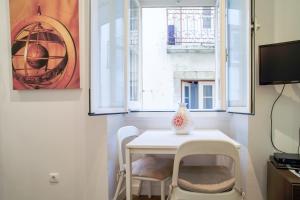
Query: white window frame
[[249, 107], [202, 84], [221, 73], [95, 107]]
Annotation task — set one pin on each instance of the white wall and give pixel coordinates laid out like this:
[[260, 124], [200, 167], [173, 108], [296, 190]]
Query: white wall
[[114, 122], [286, 26], [49, 131], [154, 120], [239, 128], [44, 131], [95, 159], [239, 132], [278, 23]]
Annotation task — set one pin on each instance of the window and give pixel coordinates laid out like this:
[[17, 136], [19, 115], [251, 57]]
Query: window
[[108, 82], [164, 68], [207, 97], [207, 19], [171, 54], [190, 94], [239, 57], [199, 95]]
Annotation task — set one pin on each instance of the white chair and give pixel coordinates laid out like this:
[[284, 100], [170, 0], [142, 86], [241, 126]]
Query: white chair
[[206, 182], [147, 168]]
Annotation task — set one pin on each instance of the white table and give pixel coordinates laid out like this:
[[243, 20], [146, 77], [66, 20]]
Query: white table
[[166, 142]]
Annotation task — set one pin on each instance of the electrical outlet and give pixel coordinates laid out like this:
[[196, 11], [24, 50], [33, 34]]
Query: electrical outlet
[[54, 177]]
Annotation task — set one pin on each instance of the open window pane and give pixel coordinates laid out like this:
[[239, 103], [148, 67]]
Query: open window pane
[[194, 95], [190, 94], [239, 55], [107, 57]]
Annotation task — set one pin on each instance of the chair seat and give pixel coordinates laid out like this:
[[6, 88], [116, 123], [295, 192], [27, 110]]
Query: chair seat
[[205, 179], [152, 167]]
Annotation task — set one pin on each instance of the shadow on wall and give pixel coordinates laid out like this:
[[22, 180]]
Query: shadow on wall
[[296, 89], [253, 190], [286, 119]]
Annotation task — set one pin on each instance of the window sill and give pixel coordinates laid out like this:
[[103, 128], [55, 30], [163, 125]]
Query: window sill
[[170, 114], [171, 111]]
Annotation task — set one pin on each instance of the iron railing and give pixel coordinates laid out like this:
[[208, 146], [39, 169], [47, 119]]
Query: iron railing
[[191, 26]]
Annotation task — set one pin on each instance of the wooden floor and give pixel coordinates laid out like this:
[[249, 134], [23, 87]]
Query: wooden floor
[[146, 198]]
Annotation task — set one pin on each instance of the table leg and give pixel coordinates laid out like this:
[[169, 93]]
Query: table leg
[[128, 175]]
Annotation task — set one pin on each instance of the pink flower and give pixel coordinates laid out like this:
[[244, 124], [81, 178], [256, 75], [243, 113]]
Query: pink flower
[[178, 121]]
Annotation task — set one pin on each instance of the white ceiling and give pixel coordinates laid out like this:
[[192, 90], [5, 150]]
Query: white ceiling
[[176, 3]]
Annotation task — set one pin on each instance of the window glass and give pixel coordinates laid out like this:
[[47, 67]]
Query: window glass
[[194, 95], [107, 57], [174, 50], [207, 90], [187, 96], [208, 103], [207, 97], [134, 52], [207, 18], [238, 53]]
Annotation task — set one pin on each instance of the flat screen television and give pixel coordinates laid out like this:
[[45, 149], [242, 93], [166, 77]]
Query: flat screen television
[[279, 63]]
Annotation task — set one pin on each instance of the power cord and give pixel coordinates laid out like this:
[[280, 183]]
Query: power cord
[[271, 118]]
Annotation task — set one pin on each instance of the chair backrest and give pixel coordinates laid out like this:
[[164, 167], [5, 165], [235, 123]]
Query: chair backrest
[[123, 134], [208, 147]]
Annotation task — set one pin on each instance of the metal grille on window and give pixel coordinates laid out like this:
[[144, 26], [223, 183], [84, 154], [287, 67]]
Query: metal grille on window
[[134, 52], [191, 26]]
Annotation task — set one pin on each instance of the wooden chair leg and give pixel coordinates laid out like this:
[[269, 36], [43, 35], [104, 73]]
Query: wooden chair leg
[[162, 190], [120, 182], [149, 190]]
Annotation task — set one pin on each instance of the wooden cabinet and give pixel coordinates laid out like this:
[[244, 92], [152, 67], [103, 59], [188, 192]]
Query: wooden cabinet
[[282, 184]]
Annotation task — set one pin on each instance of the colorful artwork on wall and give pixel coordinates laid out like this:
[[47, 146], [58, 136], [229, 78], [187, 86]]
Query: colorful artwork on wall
[[45, 44]]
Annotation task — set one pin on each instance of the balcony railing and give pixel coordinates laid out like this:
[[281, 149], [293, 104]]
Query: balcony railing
[[194, 27]]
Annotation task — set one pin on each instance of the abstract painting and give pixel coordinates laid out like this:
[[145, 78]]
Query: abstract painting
[[45, 44]]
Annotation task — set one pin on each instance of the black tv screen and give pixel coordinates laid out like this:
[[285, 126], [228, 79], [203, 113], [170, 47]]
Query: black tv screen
[[279, 63]]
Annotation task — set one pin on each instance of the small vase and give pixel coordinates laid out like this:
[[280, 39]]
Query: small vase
[[181, 122]]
